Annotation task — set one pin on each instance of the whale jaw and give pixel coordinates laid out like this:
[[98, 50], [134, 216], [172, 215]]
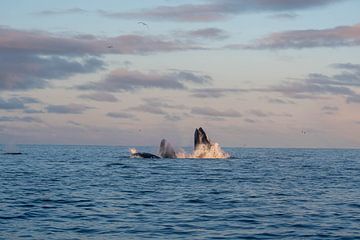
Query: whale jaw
[[200, 138]]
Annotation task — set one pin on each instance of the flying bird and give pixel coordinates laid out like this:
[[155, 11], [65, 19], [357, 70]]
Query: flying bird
[[144, 24]]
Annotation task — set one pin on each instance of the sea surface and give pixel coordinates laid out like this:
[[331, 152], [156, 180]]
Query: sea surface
[[98, 192]]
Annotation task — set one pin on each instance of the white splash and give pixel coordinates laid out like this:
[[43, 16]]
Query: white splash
[[204, 151], [133, 150]]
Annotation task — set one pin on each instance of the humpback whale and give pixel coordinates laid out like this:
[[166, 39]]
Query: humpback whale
[[143, 155], [165, 151], [203, 148], [200, 138]]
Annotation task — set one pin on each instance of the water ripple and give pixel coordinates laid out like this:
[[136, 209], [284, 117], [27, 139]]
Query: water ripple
[[82, 192]]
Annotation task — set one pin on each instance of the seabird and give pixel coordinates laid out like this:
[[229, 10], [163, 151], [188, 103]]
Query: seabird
[[144, 24]]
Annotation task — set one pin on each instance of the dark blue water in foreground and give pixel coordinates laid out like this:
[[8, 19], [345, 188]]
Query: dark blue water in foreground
[[97, 192]]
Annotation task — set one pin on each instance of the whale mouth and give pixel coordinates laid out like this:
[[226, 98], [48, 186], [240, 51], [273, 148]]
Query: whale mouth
[[203, 148]]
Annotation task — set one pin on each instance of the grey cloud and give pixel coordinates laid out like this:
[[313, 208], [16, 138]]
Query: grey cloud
[[74, 123], [120, 115], [259, 113], [347, 66], [11, 104], [60, 12], [22, 72], [298, 39], [17, 102], [249, 120], [284, 16], [39, 42], [214, 10], [207, 111], [330, 108], [205, 33], [29, 59], [100, 96], [125, 80], [355, 98], [33, 111], [214, 92], [20, 119], [280, 101], [157, 106], [163, 103], [147, 108], [317, 86], [172, 118], [67, 109]]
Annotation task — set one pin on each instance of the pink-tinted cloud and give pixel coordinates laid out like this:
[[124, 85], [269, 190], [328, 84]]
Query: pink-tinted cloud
[[40, 42], [67, 109], [214, 10], [125, 80], [215, 92], [100, 97], [204, 33], [212, 112], [75, 10], [30, 59], [298, 39]]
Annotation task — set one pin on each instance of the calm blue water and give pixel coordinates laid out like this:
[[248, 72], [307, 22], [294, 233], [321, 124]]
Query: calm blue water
[[98, 192]]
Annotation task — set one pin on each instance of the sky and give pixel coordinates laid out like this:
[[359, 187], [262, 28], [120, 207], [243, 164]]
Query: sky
[[252, 73]]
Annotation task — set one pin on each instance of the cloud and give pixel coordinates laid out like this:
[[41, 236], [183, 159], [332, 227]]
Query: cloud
[[40, 42], [120, 115], [125, 80], [207, 111], [280, 101], [16, 102], [204, 33], [159, 106], [100, 97], [215, 10], [249, 120], [148, 109], [29, 59], [259, 113], [26, 119], [11, 104], [172, 118], [22, 72], [74, 123], [281, 16], [330, 110], [214, 92], [316, 86], [163, 103], [298, 39], [60, 12], [33, 111], [67, 109], [355, 98]]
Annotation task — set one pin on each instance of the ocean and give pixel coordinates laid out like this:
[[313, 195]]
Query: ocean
[[99, 192]]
